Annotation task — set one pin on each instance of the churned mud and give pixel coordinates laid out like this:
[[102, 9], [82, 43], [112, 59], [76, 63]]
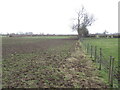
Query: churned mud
[[48, 64], [81, 71]]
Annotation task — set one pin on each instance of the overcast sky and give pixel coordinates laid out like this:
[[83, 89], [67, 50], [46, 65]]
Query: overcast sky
[[56, 16]]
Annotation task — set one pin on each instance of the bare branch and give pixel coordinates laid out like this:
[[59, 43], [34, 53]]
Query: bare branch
[[84, 20]]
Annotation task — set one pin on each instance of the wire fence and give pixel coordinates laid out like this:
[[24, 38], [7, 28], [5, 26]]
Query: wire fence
[[106, 63]]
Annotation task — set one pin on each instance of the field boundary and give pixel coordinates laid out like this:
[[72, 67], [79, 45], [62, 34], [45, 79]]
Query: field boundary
[[97, 55]]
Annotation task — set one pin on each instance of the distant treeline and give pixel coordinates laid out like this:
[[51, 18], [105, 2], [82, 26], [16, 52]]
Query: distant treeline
[[104, 35], [23, 35], [90, 35]]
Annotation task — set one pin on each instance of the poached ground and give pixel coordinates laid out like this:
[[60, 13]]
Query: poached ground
[[81, 71], [56, 64]]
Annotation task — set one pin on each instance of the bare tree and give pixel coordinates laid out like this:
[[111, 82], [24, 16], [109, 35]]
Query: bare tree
[[105, 32], [84, 20]]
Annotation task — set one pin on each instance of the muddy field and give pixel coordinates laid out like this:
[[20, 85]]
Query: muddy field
[[34, 62], [47, 63], [25, 45]]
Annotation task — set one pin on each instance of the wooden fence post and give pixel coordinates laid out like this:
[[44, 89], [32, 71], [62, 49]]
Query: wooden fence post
[[91, 51], [118, 76], [109, 77], [112, 74], [100, 58], [95, 53], [88, 48]]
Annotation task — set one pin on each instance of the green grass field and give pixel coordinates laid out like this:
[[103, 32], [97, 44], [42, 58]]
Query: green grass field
[[109, 48], [51, 37]]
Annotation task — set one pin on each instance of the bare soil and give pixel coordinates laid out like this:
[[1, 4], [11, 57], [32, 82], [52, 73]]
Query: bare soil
[[80, 70], [48, 64]]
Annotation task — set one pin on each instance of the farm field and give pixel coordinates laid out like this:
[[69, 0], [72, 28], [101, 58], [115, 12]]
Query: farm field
[[32, 62], [109, 46], [28, 60], [12, 45]]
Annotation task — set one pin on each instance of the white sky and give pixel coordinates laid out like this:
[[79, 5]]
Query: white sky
[[56, 16]]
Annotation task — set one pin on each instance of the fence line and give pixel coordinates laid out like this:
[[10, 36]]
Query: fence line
[[97, 55]]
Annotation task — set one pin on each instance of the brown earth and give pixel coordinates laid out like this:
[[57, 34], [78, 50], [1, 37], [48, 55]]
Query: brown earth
[[48, 63], [80, 70], [16, 45]]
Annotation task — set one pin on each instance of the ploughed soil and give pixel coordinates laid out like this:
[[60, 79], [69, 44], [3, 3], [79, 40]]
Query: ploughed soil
[[80, 70], [56, 64], [21, 45]]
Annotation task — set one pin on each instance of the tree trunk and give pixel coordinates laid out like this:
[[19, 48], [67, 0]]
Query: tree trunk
[[79, 35]]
